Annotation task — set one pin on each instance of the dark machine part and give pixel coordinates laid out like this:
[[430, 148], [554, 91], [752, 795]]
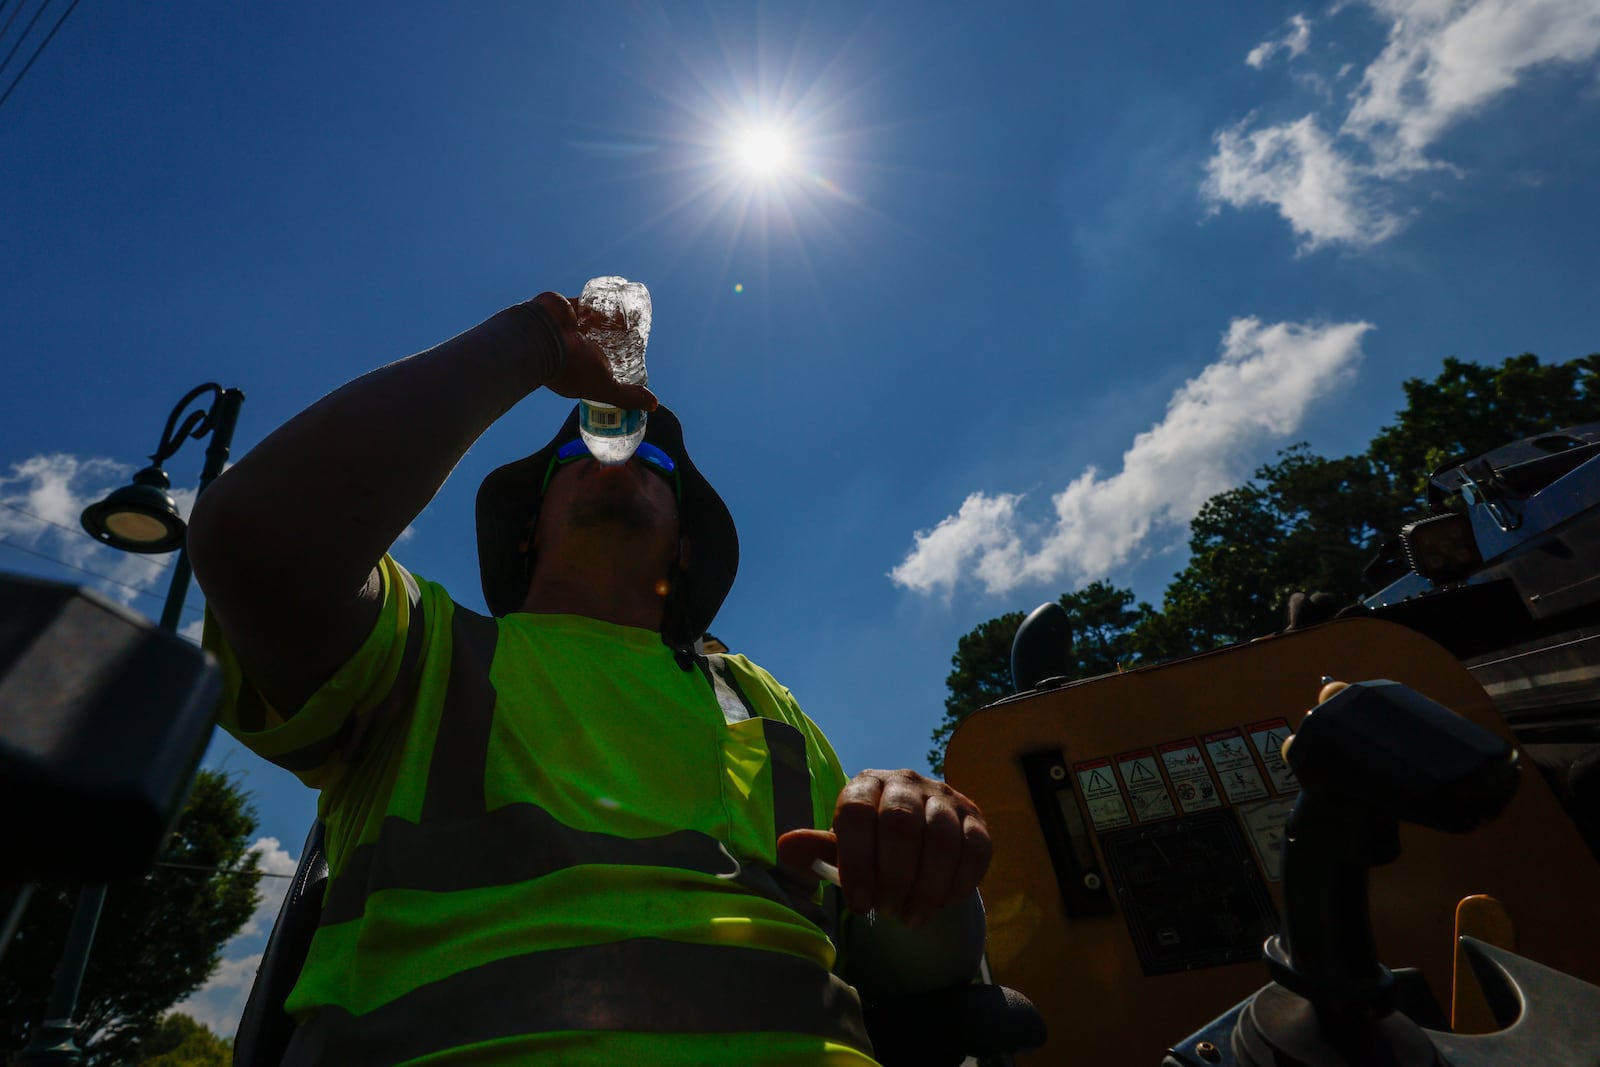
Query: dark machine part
[[1546, 1018], [1191, 894], [1370, 756], [1374, 755], [1523, 518], [103, 720], [1042, 648], [1066, 835]]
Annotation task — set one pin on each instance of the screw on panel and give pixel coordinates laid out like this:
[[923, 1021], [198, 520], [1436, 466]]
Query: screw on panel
[[1058, 772], [1209, 1052], [1091, 881]]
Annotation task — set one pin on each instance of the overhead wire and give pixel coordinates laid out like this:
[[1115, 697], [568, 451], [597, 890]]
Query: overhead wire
[[161, 565], [218, 870], [13, 18], [36, 52], [93, 574], [23, 36]]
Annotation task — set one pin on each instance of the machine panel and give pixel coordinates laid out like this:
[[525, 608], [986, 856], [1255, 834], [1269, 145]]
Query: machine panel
[[1161, 794]]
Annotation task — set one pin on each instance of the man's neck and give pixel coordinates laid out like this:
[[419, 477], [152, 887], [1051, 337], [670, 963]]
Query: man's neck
[[624, 598]]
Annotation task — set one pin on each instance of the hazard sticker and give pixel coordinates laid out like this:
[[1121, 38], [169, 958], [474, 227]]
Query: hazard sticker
[[1141, 775], [1107, 810], [1191, 780], [1236, 770], [1268, 738], [1266, 825]]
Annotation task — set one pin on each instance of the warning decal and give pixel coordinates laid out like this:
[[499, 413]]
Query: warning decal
[[1142, 776], [1268, 738], [1107, 809], [1235, 769], [1266, 825], [1190, 778]]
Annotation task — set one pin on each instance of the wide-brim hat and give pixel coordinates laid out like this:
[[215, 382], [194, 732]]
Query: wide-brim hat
[[509, 499]]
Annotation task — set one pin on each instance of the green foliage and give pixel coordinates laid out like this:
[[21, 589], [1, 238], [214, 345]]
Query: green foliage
[[1471, 408], [1301, 523], [982, 675], [159, 938], [180, 1041], [1102, 618]]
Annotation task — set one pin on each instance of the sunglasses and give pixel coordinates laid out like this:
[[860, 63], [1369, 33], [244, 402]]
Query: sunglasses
[[648, 454]]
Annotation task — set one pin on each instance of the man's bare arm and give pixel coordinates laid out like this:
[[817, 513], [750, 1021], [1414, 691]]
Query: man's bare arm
[[286, 542]]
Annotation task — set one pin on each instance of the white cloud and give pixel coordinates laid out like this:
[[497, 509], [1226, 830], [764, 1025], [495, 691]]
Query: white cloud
[[1294, 41], [273, 859], [1442, 62], [41, 499], [1257, 391], [984, 527], [220, 1002], [1297, 168]]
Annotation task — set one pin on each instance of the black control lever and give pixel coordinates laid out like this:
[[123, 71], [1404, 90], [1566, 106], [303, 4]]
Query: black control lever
[[1369, 757]]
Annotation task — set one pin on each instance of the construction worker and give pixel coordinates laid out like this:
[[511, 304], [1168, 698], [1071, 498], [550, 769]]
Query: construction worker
[[553, 832]]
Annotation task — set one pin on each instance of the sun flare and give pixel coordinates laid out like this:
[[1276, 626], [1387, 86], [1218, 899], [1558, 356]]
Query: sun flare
[[763, 150]]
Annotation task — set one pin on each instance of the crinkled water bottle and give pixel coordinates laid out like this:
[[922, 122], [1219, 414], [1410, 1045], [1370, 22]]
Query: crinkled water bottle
[[621, 331]]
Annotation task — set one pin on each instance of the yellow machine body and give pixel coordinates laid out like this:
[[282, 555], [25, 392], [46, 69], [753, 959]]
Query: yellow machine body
[[1169, 799]]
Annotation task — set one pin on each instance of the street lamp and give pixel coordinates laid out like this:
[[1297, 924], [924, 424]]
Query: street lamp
[[140, 517]]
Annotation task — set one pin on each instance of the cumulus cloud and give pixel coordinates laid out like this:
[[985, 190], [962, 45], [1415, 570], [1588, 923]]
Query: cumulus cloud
[[220, 1002], [273, 859], [1444, 61], [41, 499], [984, 528], [1257, 391], [1296, 167], [1294, 42], [1441, 63]]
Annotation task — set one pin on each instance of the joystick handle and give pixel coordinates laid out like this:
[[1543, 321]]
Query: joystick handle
[[1370, 756]]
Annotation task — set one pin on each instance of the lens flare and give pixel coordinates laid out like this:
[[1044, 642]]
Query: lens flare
[[763, 150]]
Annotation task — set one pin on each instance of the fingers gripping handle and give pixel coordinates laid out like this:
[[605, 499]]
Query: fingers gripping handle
[[1371, 756]]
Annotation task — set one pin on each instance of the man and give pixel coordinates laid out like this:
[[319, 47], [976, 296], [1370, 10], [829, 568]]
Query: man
[[553, 833]]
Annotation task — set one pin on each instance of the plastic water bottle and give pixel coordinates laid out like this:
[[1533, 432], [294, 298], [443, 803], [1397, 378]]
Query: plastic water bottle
[[621, 333]]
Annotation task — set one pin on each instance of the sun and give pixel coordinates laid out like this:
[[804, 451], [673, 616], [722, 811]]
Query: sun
[[763, 150]]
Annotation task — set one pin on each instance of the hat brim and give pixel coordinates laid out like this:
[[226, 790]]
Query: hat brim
[[509, 499]]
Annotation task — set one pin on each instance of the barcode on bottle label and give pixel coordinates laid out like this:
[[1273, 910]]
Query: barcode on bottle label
[[605, 418]]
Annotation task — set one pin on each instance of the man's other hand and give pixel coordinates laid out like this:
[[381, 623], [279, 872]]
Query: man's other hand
[[585, 372], [904, 844]]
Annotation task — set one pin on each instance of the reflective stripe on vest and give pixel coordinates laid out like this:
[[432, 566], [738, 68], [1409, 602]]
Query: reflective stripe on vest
[[693, 989], [459, 845], [791, 779], [442, 857]]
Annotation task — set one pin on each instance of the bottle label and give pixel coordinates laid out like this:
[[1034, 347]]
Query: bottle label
[[603, 420]]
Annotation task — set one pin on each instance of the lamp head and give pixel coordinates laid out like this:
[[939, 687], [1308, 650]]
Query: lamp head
[[141, 517]]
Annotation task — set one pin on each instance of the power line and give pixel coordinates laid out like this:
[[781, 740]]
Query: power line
[[218, 870], [37, 52], [93, 574], [79, 531], [9, 21], [23, 36]]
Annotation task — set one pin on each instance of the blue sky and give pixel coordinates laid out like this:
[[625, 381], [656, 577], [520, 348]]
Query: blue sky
[[1034, 281]]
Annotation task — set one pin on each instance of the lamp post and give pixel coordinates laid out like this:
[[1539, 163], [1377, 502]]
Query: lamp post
[[140, 517]]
